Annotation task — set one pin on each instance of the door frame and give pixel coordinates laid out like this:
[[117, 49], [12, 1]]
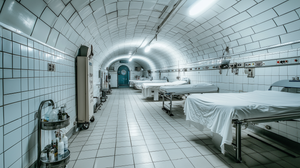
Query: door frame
[[128, 74]]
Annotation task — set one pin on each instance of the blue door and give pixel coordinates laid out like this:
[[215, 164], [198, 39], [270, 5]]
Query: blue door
[[123, 76]]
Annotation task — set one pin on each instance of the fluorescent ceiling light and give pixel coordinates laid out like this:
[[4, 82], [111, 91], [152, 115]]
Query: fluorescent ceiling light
[[130, 59], [147, 49], [201, 6]]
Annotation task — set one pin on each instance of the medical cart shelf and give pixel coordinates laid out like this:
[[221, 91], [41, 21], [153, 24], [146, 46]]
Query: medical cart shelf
[[55, 125], [57, 163], [50, 126]]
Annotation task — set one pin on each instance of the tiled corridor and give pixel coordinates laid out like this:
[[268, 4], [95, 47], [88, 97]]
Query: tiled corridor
[[132, 132]]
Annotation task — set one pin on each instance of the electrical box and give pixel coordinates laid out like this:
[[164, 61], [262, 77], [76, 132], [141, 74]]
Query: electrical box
[[240, 64]]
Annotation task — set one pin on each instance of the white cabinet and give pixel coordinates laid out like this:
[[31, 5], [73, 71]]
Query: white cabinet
[[114, 79], [84, 89]]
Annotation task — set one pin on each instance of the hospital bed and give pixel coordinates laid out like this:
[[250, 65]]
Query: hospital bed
[[218, 113], [168, 92], [138, 84], [148, 88], [132, 82]]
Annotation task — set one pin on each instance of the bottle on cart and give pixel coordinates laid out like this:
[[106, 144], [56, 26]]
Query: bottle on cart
[[60, 149], [51, 155], [52, 143], [47, 115], [53, 115], [59, 115], [56, 150], [64, 114], [65, 140]]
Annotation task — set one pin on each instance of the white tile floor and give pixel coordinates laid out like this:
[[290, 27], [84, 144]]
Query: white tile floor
[[132, 132]]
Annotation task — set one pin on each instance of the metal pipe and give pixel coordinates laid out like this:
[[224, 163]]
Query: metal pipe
[[163, 99], [171, 97], [39, 113], [273, 118], [238, 141]]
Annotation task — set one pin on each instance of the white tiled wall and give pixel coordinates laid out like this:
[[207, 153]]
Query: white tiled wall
[[24, 83], [264, 77]]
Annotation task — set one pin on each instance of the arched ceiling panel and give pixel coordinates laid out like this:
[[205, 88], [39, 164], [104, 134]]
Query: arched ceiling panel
[[116, 28]]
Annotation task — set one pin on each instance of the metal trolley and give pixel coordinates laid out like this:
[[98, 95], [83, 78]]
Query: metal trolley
[[167, 106], [50, 126], [168, 96]]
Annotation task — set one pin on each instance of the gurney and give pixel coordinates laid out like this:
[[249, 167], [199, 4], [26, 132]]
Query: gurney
[[168, 92], [218, 113]]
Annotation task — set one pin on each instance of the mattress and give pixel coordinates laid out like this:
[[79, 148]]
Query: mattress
[[158, 85], [216, 111], [133, 81], [138, 84], [190, 88]]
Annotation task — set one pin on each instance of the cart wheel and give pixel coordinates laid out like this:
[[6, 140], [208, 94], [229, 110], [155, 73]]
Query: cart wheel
[[86, 126], [92, 119]]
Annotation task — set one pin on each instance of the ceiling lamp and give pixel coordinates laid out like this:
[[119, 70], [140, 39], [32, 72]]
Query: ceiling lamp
[[201, 6]]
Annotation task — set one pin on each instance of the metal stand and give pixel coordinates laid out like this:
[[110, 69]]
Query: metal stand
[[166, 107], [50, 126], [236, 148], [238, 142], [98, 104]]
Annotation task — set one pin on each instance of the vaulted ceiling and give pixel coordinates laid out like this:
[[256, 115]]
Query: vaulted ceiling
[[117, 28]]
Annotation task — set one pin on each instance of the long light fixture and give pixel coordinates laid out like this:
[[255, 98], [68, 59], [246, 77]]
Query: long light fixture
[[130, 59], [201, 6], [147, 48]]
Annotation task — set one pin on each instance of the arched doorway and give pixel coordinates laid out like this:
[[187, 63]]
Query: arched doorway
[[123, 76]]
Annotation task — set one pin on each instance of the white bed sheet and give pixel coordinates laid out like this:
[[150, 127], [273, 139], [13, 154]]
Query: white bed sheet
[[202, 87], [138, 84], [133, 81], [158, 85], [216, 111], [149, 87]]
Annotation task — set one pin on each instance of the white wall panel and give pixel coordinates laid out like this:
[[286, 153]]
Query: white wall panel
[[287, 6], [49, 17], [79, 4], [269, 33], [230, 12], [68, 11], [290, 37], [286, 18], [35, 6], [86, 11], [52, 37], [10, 15], [60, 23], [263, 6], [243, 5], [41, 31], [269, 42], [292, 26], [56, 6]]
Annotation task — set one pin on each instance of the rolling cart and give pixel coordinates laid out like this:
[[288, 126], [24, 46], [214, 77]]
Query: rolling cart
[[62, 162]]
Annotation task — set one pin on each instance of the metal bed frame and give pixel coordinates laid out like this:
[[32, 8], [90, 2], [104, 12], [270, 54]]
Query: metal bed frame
[[169, 96], [235, 149]]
